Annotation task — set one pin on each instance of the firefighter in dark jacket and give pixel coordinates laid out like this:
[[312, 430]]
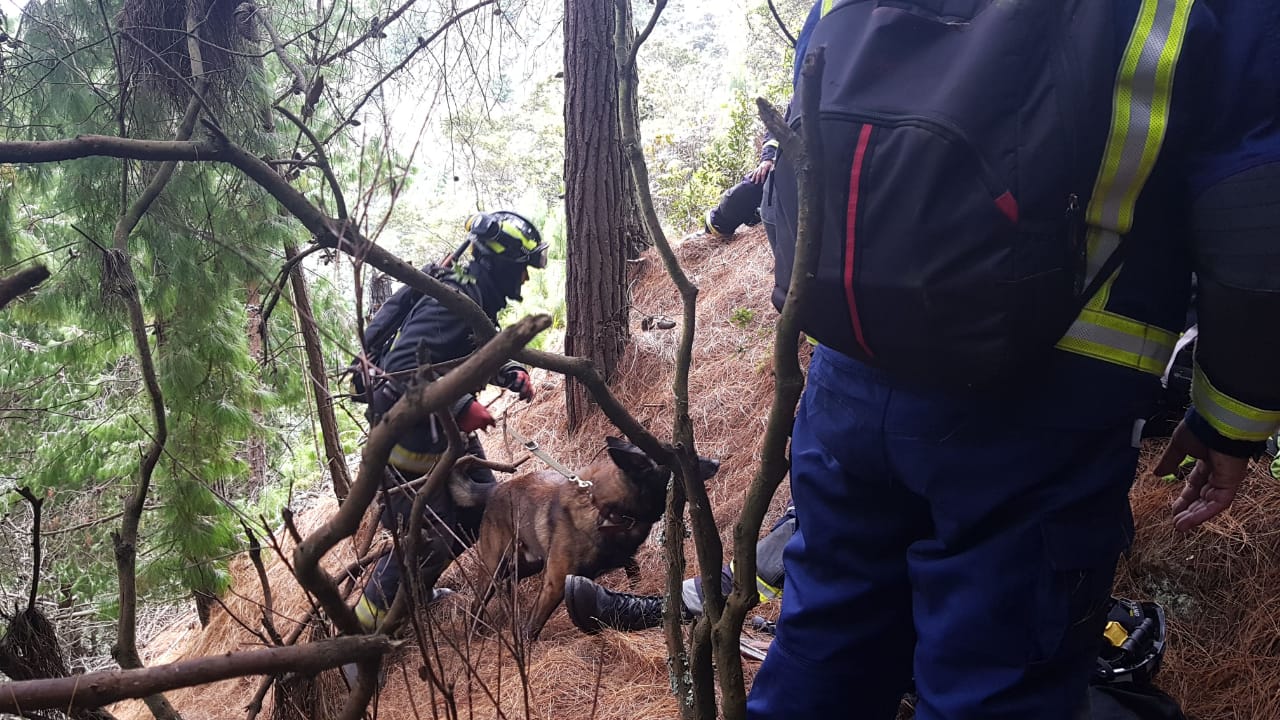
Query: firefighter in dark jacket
[[968, 537], [504, 246]]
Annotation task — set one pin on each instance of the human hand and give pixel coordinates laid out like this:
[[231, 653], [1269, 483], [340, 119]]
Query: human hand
[[1212, 483], [761, 173], [517, 380], [473, 417]]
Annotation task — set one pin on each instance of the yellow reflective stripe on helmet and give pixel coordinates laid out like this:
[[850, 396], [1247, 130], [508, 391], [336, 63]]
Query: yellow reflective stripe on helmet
[[514, 231], [1230, 417], [826, 7], [1117, 339], [1139, 122]]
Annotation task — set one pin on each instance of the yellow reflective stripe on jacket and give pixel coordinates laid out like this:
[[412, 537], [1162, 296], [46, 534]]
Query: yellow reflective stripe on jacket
[[764, 590], [1139, 121], [1229, 417], [1140, 113], [410, 461], [1117, 339], [770, 143]]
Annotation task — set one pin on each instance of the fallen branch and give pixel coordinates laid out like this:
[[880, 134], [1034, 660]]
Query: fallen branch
[[92, 690]]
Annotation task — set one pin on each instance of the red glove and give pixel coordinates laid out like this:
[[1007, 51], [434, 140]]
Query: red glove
[[474, 417]]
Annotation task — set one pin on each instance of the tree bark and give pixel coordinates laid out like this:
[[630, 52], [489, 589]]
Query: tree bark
[[334, 457], [595, 198], [637, 236], [255, 453]]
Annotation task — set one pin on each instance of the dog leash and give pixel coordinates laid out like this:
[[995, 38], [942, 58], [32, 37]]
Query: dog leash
[[533, 447]]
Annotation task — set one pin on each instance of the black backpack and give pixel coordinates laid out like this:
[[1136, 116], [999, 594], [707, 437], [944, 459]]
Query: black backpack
[[390, 317], [962, 140]]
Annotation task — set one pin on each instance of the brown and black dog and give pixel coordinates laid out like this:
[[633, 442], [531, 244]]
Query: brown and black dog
[[547, 523]]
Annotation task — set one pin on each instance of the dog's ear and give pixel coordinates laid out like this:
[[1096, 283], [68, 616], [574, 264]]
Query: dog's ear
[[707, 467], [629, 458]]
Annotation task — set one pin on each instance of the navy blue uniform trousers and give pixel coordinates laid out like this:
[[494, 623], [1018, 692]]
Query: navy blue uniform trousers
[[967, 544], [739, 205]]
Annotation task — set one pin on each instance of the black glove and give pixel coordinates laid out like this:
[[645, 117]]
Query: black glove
[[516, 379]]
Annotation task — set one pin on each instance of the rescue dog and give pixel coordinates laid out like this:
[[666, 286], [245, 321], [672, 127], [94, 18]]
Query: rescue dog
[[545, 522]]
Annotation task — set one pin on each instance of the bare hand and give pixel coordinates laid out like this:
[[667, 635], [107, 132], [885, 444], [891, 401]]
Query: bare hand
[[1212, 484], [761, 173]]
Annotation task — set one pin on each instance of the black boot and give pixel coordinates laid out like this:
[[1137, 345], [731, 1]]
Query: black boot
[[592, 607]]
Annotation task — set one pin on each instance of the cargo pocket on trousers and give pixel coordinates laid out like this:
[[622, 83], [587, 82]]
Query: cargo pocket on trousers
[[1075, 584]]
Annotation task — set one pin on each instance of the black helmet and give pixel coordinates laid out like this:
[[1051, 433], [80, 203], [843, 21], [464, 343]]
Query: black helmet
[[1132, 643], [507, 236]]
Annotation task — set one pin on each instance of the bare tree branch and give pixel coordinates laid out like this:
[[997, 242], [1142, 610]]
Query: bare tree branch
[[322, 161], [422, 44], [773, 9], [299, 79], [36, 504], [82, 146], [268, 602], [658, 7], [805, 149], [92, 690], [706, 536], [130, 219]]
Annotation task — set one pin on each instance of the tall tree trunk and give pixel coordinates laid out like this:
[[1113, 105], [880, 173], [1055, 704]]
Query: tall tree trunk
[[334, 457], [595, 200]]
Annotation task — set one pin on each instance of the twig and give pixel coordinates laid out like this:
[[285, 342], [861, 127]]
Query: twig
[[130, 219], [658, 7], [781, 25], [299, 80], [255, 555], [322, 158], [36, 504], [421, 44]]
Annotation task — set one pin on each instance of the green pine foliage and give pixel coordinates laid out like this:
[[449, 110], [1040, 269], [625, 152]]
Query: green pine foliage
[[76, 416]]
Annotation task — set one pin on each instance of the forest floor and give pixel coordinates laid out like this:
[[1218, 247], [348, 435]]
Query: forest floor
[[1220, 586]]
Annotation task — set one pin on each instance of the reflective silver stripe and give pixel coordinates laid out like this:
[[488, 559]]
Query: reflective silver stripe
[[1151, 353], [1137, 114], [1101, 244], [1227, 415]]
